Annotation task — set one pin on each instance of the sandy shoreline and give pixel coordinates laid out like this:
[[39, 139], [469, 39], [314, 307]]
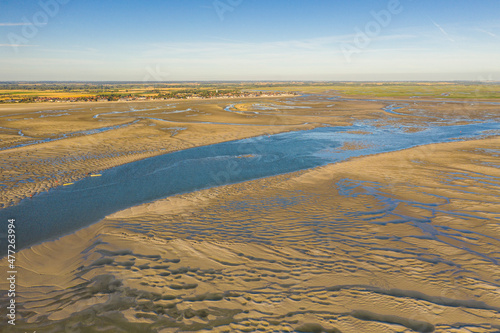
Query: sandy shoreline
[[54, 163], [395, 242], [199, 261], [139, 130], [39, 105]]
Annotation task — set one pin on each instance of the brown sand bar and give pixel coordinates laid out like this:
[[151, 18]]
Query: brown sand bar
[[92, 137], [143, 129], [406, 241]]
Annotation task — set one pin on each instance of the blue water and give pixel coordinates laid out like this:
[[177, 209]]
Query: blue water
[[65, 209]]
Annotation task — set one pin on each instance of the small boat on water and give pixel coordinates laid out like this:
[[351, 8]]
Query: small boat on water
[[96, 175], [67, 184]]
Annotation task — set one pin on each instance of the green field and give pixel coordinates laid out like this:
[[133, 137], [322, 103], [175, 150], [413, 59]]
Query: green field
[[400, 89], [64, 91]]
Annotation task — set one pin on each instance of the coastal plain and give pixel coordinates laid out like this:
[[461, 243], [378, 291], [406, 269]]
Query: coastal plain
[[403, 241]]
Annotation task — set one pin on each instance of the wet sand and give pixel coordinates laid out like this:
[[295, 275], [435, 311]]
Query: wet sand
[[408, 244], [35, 168], [83, 138], [405, 241]]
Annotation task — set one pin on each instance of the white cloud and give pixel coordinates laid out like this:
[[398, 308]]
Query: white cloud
[[14, 24], [327, 44], [443, 31], [15, 45], [488, 33]]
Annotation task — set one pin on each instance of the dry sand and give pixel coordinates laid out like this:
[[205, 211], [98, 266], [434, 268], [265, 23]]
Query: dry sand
[[398, 242], [409, 244], [136, 130], [35, 168]]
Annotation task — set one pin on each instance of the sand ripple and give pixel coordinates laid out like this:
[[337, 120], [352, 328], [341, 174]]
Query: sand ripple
[[398, 242]]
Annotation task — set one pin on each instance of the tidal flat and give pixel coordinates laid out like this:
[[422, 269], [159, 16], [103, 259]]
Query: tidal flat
[[386, 220]]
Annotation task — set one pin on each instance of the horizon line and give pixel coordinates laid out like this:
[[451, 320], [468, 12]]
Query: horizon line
[[238, 81]]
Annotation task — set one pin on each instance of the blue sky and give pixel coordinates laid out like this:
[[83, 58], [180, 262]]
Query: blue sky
[[175, 40]]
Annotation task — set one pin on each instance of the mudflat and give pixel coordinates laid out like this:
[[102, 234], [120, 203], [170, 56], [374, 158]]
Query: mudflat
[[404, 241]]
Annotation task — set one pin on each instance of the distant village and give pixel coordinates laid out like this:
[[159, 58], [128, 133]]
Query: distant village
[[160, 96]]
